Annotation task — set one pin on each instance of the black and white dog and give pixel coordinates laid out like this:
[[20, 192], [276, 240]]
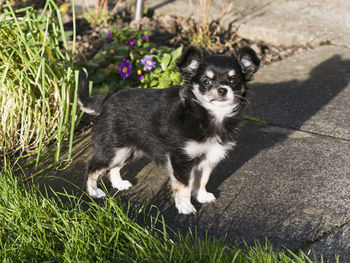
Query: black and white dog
[[189, 129]]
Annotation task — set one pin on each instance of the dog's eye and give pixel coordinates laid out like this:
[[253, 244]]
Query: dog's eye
[[207, 82], [232, 81]]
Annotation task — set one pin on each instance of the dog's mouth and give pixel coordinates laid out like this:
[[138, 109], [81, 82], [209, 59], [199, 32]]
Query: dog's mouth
[[219, 99]]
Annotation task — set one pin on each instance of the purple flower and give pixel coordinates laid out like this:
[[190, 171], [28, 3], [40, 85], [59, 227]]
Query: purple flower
[[125, 68], [145, 37], [148, 62], [108, 37], [140, 26], [139, 75], [131, 42]]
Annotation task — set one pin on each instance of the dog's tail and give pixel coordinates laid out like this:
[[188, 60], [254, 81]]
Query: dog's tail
[[91, 105]]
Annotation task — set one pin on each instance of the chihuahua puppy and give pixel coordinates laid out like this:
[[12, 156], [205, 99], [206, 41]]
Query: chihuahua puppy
[[189, 128]]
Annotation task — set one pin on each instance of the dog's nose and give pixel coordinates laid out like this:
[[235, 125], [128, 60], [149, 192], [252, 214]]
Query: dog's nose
[[222, 91]]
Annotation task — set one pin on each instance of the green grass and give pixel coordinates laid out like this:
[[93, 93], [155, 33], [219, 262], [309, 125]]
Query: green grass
[[36, 228], [36, 80]]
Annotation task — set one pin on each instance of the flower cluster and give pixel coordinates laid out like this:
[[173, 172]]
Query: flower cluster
[[126, 66], [128, 60], [136, 61]]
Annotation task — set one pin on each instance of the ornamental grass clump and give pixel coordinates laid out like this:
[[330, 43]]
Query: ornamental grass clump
[[37, 80]]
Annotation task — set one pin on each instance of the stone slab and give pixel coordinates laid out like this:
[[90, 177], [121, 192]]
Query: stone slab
[[279, 22], [309, 91], [298, 22], [335, 244], [288, 186]]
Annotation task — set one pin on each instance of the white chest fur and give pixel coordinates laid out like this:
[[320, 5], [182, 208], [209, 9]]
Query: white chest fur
[[220, 112], [212, 150]]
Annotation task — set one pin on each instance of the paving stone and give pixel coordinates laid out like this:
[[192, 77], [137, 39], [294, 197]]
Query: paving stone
[[298, 22], [334, 244], [309, 91]]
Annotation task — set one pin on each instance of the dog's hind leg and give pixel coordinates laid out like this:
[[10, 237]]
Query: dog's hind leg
[[117, 181], [95, 169], [120, 157], [181, 191]]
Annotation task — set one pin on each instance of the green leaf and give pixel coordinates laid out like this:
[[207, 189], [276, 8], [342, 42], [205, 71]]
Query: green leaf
[[154, 83], [146, 45], [165, 61], [176, 54], [164, 83], [157, 71]]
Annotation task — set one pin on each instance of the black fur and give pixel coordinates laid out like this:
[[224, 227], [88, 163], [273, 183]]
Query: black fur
[[95, 103], [160, 122]]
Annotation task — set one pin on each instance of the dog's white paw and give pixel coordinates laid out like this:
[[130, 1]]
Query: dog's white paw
[[121, 185], [98, 193], [185, 208], [205, 197]]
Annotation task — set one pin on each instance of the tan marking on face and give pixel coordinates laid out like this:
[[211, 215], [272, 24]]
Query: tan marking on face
[[231, 73], [210, 74]]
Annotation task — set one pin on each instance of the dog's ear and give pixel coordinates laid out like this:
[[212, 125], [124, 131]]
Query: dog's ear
[[189, 62], [249, 62]]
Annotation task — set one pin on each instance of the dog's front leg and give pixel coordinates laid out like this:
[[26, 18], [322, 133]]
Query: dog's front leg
[[201, 174], [181, 190]]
